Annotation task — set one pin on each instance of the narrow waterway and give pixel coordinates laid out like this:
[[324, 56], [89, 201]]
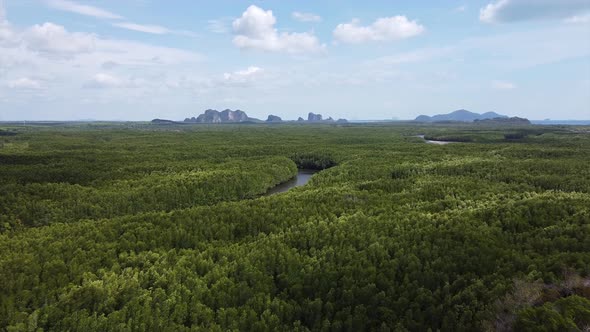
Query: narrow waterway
[[436, 142], [303, 176]]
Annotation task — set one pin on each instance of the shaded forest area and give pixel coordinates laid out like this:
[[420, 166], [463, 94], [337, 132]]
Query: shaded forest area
[[137, 227]]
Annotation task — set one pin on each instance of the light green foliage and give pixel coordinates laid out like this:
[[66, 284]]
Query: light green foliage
[[110, 228], [567, 314]]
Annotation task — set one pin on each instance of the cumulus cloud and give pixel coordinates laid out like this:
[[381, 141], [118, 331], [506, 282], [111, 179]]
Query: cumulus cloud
[[25, 83], [242, 76], [50, 37], [306, 17], [503, 11], [53, 38], [503, 85], [383, 29], [73, 7], [255, 29]]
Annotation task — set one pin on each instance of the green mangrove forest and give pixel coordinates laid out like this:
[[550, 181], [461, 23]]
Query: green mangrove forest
[[143, 227]]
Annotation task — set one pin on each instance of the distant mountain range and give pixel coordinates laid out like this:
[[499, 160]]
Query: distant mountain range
[[459, 116], [238, 116], [211, 116]]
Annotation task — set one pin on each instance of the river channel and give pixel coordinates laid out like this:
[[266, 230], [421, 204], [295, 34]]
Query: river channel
[[303, 176], [435, 142]]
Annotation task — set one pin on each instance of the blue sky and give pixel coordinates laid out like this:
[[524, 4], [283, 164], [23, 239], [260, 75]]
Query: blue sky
[[145, 59]]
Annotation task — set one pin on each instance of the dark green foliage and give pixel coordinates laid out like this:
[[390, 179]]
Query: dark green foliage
[[7, 133], [313, 160], [518, 135], [155, 229]]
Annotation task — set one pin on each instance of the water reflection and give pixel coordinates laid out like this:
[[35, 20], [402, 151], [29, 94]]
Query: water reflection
[[302, 178], [435, 142]]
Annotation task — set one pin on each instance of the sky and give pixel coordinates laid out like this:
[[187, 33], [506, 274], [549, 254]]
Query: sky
[[359, 60]]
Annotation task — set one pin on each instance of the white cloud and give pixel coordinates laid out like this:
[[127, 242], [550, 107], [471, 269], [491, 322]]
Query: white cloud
[[242, 75], [25, 83], [488, 13], [460, 9], [306, 17], [106, 81], [70, 60], [502, 11], [255, 30], [383, 29], [256, 23], [73, 7], [153, 29], [53, 38], [102, 80], [503, 85]]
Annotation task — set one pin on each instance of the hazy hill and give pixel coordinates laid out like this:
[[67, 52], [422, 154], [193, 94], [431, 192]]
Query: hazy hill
[[274, 118], [460, 116], [163, 122], [312, 117], [225, 116]]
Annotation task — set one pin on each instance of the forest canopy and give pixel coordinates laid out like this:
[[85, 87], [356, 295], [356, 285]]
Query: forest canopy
[[114, 227]]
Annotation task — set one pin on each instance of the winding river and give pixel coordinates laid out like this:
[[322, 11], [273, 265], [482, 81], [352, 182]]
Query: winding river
[[303, 176], [436, 142]]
